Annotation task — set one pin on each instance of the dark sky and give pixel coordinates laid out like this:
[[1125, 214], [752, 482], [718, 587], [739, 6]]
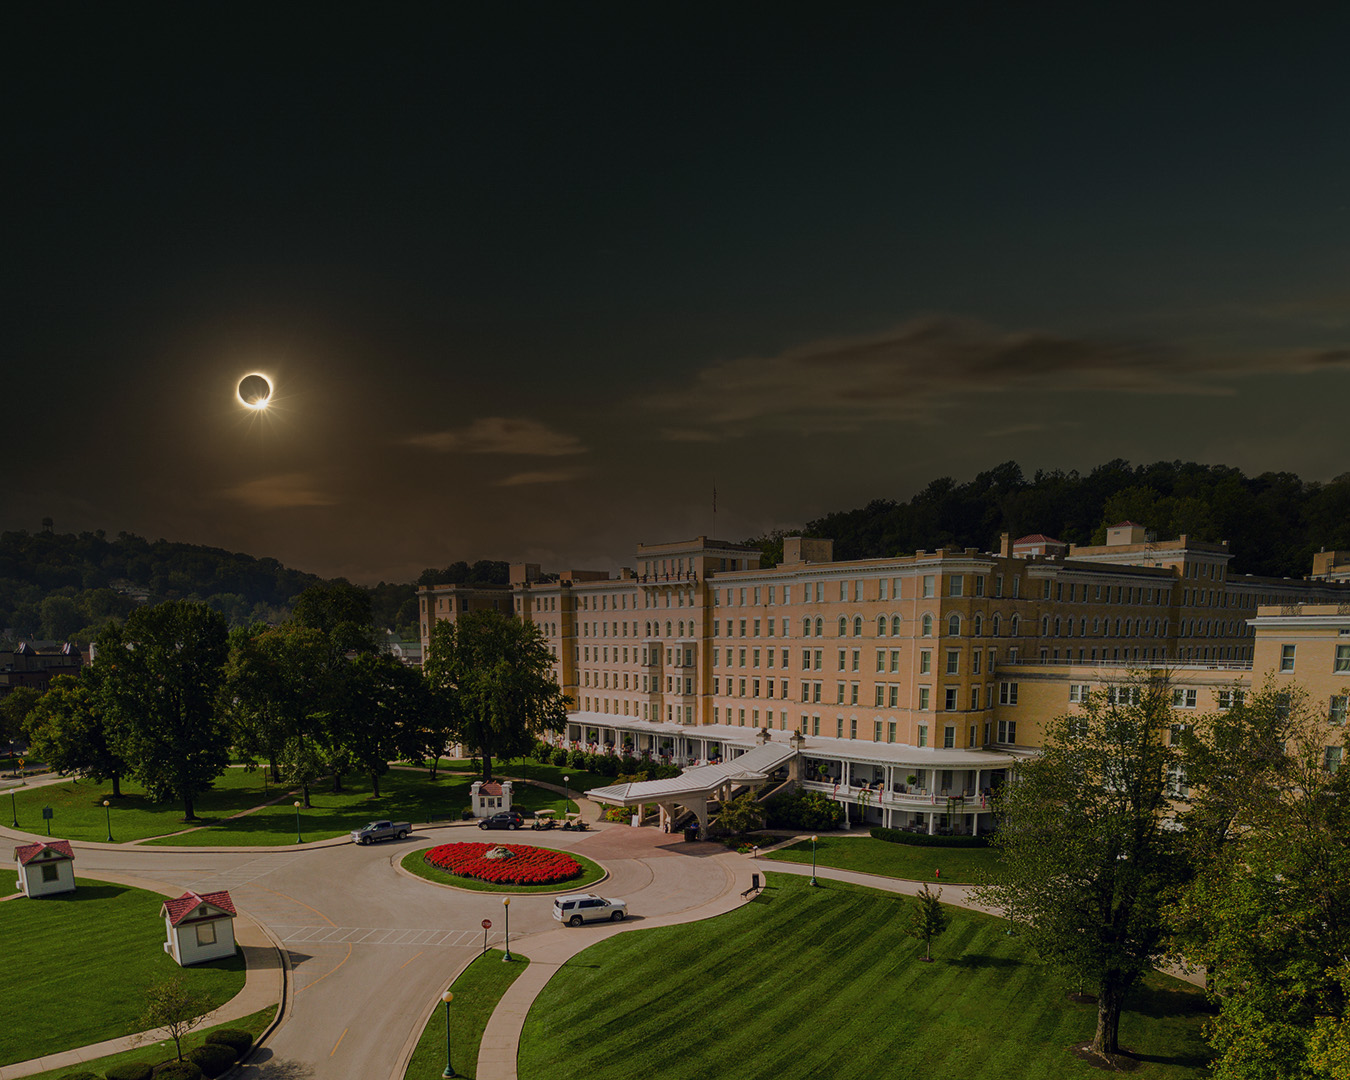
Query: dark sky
[[529, 280]]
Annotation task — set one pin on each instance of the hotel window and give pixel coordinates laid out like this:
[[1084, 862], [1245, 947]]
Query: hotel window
[[1332, 760], [769, 657], [857, 626], [895, 626], [949, 701], [979, 586], [928, 584], [1342, 658], [740, 688], [1017, 587], [820, 592], [754, 657], [882, 591], [740, 717], [895, 659], [756, 628], [949, 738], [815, 692], [820, 627], [717, 684], [954, 625], [1228, 698], [853, 727], [923, 734], [953, 662], [843, 659], [839, 693], [815, 724], [975, 662], [956, 585], [998, 584], [806, 628], [881, 659], [876, 731], [893, 701], [855, 660], [923, 698], [880, 695], [816, 657], [1007, 731], [1286, 657], [1337, 713], [838, 727], [881, 626], [925, 661], [890, 731], [770, 628], [1078, 692], [927, 625], [853, 693], [740, 657], [974, 701], [768, 688], [996, 625], [754, 687], [843, 626], [1183, 698], [1007, 695], [843, 591]]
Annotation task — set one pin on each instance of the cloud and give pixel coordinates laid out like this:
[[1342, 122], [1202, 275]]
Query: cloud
[[842, 384], [541, 476], [281, 492], [502, 435]]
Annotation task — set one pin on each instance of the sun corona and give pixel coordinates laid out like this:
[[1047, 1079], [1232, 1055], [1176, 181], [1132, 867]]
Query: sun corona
[[255, 391]]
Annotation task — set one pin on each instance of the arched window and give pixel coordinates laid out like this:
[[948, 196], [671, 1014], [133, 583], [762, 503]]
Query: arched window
[[895, 626], [668, 633], [881, 626], [1012, 627], [1117, 628], [927, 625], [1057, 626], [820, 627], [1045, 626], [997, 621], [843, 626], [681, 628], [1082, 627], [857, 626], [954, 625], [806, 628], [979, 625]]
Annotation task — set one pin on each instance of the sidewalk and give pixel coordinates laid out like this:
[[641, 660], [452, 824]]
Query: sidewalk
[[264, 985]]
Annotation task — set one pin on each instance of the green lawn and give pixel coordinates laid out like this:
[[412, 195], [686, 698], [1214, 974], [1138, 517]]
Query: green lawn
[[529, 769], [414, 863], [76, 966], [155, 1053], [961, 866], [477, 990], [808, 982]]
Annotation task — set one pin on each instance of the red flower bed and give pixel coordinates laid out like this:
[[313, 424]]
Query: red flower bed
[[526, 866]]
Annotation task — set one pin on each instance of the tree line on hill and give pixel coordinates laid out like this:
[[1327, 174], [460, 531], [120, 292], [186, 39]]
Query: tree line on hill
[[1274, 522], [173, 692]]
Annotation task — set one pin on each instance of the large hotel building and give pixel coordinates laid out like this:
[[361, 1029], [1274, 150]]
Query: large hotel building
[[909, 686]]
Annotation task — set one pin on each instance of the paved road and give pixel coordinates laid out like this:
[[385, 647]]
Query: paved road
[[371, 947]]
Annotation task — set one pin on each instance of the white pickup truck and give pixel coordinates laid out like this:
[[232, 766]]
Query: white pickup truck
[[381, 830]]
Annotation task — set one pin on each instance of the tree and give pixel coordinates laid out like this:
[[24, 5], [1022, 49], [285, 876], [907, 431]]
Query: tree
[[162, 676], [14, 711], [176, 1009], [1088, 863], [68, 729], [740, 815], [276, 683], [341, 611], [383, 699], [498, 672], [928, 919], [1269, 912]]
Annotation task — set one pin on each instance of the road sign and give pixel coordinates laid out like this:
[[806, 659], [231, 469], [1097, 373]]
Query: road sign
[[487, 924], [47, 813]]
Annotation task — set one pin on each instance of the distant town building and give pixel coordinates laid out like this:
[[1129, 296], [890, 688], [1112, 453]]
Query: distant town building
[[37, 663]]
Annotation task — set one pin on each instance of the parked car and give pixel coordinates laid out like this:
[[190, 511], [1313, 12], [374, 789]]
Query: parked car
[[506, 819], [381, 830], [587, 907]]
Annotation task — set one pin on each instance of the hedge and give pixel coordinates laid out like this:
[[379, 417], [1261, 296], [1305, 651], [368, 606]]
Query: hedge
[[213, 1058], [131, 1070], [236, 1039], [178, 1070], [900, 836]]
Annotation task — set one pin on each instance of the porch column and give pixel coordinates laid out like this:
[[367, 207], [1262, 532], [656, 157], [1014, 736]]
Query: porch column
[[932, 823]]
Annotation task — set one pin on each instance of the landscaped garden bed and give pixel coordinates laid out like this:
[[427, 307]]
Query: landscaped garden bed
[[444, 870], [505, 864]]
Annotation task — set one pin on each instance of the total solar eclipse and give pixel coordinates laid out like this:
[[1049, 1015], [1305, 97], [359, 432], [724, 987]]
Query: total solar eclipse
[[255, 391]]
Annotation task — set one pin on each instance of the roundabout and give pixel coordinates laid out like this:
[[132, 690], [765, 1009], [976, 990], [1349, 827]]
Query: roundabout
[[502, 868]]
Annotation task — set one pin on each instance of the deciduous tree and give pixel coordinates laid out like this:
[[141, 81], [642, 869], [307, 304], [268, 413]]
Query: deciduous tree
[[498, 672], [928, 919], [1087, 861], [68, 729]]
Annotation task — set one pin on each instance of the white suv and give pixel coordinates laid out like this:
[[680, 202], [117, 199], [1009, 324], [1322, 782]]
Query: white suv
[[587, 907]]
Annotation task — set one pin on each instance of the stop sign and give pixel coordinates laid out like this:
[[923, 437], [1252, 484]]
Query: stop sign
[[487, 924]]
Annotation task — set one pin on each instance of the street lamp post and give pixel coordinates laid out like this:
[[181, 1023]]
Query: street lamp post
[[447, 997], [567, 795], [298, 838], [107, 813], [506, 907], [813, 858], [14, 808]]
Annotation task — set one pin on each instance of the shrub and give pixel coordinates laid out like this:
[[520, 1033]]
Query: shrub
[[628, 764], [617, 813], [178, 1070], [559, 757], [576, 759], [213, 1058], [899, 836], [131, 1070], [542, 752], [607, 765], [235, 1038], [801, 809]]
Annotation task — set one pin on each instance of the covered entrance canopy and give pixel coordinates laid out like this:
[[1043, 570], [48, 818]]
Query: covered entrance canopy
[[693, 788]]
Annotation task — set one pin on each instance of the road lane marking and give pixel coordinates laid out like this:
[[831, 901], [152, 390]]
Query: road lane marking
[[338, 1043], [411, 959]]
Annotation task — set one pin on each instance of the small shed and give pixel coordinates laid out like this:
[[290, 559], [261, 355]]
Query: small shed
[[200, 927], [45, 867], [490, 798]]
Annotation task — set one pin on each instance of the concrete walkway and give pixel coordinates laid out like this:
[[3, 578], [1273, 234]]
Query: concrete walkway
[[264, 985]]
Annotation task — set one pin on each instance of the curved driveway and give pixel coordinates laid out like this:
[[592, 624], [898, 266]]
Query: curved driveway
[[371, 947]]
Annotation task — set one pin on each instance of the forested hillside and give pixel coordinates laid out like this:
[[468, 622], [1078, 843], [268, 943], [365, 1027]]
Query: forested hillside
[[1273, 522]]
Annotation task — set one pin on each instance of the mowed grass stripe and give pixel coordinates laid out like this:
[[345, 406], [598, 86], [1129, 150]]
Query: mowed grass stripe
[[806, 981]]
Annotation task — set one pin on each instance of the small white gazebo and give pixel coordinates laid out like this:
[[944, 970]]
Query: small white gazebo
[[45, 867], [490, 798], [200, 927]]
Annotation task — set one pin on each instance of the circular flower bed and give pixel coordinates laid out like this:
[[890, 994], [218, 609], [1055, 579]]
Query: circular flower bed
[[523, 865]]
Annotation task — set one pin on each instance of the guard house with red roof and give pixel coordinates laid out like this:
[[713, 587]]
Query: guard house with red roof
[[45, 867], [200, 927], [490, 798]]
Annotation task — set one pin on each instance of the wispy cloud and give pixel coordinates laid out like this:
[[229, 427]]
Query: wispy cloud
[[845, 383], [281, 492], [502, 435], [541, 476]]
